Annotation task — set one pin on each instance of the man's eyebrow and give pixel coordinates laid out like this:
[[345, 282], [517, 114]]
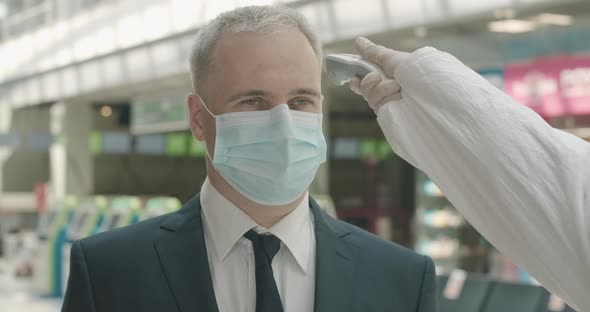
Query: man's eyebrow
[[306, 91], [247, 94]]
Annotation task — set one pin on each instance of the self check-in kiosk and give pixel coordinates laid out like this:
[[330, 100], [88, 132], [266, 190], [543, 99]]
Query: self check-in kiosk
[[124, 210], [87, 220], [52, 236], [158, 206]]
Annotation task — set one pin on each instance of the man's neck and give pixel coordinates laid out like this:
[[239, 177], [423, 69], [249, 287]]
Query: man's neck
[[264, 215]]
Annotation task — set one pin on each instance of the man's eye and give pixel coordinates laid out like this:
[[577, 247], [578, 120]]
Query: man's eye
[[250, 102], [301, 101]]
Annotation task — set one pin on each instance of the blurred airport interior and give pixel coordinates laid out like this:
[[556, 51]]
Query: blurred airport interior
[[94, 132]]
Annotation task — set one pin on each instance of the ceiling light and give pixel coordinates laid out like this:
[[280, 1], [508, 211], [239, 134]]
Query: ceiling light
[[511, 26], [106, 111], [554, 19]]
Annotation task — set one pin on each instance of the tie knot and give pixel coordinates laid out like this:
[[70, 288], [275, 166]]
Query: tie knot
[[267, 245]]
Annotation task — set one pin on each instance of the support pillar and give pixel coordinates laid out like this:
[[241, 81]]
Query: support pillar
[[5, 152], [71, 163]]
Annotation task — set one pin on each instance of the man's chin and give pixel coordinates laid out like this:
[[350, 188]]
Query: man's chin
[[232, 194]]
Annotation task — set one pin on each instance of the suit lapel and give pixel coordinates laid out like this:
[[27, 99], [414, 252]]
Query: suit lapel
[[335, 259], [183, 256]]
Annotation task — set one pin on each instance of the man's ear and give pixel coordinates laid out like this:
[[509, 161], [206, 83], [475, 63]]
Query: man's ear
[[195, 111]]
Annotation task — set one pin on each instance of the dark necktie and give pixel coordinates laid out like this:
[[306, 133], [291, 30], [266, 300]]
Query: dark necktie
[[267, 293]]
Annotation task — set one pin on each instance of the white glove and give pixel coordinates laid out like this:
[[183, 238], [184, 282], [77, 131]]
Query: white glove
[[375, 88]]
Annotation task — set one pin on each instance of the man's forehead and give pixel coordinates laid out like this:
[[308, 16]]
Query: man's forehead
[[261, 46], [276, 63]]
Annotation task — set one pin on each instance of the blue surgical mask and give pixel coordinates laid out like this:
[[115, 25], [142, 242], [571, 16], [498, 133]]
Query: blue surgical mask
[[272, 156]]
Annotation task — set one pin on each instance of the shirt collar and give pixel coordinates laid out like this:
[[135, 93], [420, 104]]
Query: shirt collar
[[295, 231], [227, 223]]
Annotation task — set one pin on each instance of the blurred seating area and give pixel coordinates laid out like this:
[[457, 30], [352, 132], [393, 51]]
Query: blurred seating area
[[462, 292]]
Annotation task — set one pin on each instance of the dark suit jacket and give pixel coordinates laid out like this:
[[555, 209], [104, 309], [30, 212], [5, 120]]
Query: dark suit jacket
[[161, 265]]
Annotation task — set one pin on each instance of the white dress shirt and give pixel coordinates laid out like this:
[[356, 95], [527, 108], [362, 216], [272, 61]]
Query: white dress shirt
[[523, 185], [231, 256]]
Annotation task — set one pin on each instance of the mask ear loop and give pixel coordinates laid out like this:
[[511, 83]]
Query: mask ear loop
[[206, 108], [213, 115]]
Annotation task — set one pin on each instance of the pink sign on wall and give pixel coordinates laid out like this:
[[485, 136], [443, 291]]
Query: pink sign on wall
[[552, 87]]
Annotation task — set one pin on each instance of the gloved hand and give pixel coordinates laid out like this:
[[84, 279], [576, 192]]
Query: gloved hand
[[375, 88]]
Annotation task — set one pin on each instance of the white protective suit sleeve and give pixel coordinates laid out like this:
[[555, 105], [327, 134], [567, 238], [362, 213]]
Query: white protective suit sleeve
[[522, 184]]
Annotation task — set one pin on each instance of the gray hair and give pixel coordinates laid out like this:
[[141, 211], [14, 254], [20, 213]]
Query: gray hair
[[257, 19]]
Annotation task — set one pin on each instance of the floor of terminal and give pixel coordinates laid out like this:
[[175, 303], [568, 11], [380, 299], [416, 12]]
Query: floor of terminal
[[18, 295]]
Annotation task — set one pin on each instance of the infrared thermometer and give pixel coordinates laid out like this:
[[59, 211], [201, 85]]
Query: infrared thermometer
[[343, 67]]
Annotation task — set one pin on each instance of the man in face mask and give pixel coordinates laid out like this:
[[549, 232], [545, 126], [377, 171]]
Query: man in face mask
[[253, 239]]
